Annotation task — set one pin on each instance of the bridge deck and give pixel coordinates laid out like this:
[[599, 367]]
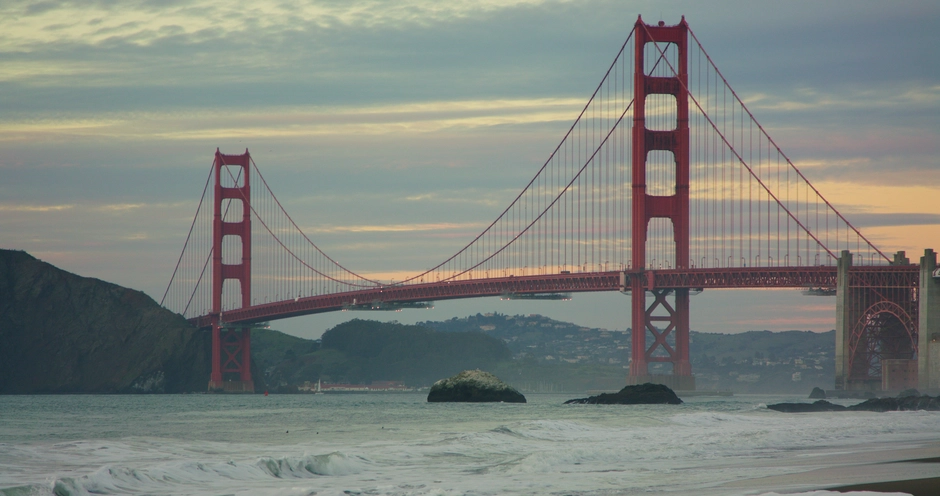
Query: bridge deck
[[906, 276]]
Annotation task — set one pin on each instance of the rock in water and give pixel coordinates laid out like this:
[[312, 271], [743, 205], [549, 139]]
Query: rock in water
[[817, 394], [907, 403], [642, 394], [474, 386], [819, 406]]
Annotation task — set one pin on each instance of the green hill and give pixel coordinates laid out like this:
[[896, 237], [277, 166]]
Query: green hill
[[534, 353], [63, 333], [362, 351], [753, 361]]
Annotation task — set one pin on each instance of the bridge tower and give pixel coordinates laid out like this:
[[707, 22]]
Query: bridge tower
[[231, 373], [672, 318]]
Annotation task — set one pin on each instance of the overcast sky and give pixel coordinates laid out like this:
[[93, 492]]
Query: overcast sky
[[421, 114]]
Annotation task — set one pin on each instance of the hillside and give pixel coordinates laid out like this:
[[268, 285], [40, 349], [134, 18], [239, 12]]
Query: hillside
[[63, 333], [754, 361], [535, 353], [544, 339], [362, 351]]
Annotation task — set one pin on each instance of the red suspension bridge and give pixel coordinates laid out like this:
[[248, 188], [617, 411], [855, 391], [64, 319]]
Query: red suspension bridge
[[664, 184]]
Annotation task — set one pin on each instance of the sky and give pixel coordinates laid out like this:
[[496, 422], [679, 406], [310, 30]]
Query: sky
[[397, 120]]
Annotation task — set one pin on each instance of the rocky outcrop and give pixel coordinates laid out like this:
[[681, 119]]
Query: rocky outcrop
[[642, 394], [474, 386], [62, 333], [907, 403], [818, 406], [817, 394]]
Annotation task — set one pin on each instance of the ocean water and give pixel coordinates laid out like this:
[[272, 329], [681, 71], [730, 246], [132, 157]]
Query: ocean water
[[398, 444]]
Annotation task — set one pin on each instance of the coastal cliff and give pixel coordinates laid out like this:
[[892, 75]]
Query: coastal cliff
[[63, 333]]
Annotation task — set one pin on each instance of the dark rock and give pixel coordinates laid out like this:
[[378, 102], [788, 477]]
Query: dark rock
[[908, 392], [62, 333], [817, 394], [818, 406], [642, 394], [474, 386], [908, 403]]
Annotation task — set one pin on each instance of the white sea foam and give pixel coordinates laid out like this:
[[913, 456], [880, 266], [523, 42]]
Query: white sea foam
[[183, 477]]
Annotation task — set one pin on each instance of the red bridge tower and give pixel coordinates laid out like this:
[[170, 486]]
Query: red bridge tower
[[231, 373], [673, 318]]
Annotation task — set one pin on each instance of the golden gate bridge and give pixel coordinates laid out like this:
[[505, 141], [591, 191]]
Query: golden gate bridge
[[665, 184]]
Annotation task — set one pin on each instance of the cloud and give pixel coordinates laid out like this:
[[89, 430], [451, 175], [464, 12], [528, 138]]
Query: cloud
[[886, 96], [30, 23], [872, 219], [35, 208], [464, 196], [396, 228], [120, 207], [294, 122]]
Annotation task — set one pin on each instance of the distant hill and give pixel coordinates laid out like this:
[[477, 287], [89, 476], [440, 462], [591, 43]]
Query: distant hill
[[362, 351], [753, 361], [63, 333], [764, 346], [535, 353], [762, 361], [543, 338]]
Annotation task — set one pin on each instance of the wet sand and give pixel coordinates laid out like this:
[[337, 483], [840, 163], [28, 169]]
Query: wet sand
[[915, 487], [912, 470]]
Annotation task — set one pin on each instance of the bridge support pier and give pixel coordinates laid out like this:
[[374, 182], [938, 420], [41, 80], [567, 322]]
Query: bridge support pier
[[231, 360], [673, 319], [928, 343], [843, 319]]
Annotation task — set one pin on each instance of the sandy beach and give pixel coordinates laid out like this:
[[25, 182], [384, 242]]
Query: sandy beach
[[914, 487], [911, 470]]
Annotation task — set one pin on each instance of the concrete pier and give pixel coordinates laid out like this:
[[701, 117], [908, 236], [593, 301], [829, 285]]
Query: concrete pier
[[928, 324], [843, 318]]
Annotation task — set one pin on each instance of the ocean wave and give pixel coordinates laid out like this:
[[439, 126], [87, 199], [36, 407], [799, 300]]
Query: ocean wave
[[311, 465], [713, 419], [28, 490], [182, 477], [551, 430]]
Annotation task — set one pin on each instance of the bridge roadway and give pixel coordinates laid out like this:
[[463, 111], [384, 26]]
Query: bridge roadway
[[892, 276]]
